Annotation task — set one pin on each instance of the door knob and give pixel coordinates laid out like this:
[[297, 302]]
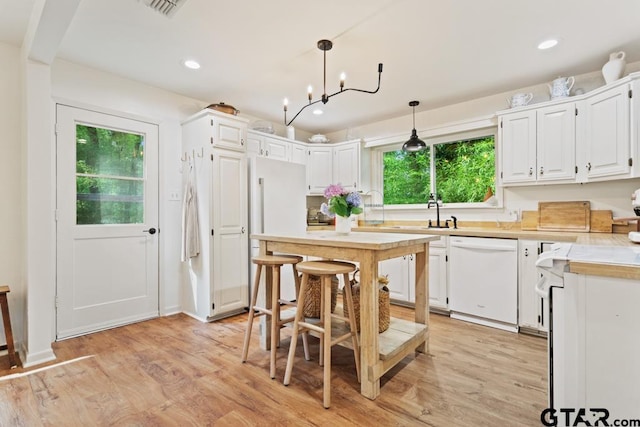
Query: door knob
[[150, 231]]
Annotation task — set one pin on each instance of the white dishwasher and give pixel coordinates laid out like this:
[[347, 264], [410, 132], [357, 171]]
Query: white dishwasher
[[483, 281]]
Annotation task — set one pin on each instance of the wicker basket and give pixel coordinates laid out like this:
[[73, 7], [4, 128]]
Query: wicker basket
[[384, 317], [313, 293]]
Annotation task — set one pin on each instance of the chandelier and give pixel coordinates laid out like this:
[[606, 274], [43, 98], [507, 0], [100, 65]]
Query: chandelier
[[325, 45]]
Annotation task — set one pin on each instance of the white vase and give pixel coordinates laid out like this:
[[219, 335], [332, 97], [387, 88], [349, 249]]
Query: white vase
[[614, 69], [343, 225]]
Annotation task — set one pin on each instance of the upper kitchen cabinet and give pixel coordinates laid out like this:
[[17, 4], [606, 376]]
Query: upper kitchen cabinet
[[518, 147], [332, 164], [603, 148], [591, 137], [319, 168], [259, 144], [538, 145], [219, 130], [298, 153]]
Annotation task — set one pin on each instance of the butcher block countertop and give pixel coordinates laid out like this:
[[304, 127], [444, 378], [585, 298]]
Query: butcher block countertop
[[512, 231]]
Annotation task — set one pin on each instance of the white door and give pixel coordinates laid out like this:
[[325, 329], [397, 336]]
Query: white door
[[107, 219], [230, 288]]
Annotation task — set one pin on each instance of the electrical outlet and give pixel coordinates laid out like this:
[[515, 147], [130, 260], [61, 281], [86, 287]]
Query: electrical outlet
[[174, 196]]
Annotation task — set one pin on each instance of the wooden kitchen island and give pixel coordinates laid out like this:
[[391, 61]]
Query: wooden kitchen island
[[378, 352]]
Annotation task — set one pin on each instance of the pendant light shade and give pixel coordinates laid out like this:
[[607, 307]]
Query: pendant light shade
[[414, 143]]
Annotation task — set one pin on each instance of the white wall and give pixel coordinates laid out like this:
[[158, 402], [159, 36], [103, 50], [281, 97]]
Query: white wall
[[614, 195], [11, 212], [90, 87]]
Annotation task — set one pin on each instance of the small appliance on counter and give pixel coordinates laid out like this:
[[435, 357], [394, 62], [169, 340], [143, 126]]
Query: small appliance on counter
[[634, 236]]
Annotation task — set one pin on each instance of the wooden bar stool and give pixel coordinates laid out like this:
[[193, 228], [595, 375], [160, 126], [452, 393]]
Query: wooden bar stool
[[274, 262], [325, 270], [6, 320]]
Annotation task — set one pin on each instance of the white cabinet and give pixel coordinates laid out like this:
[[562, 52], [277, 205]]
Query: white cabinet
[[555, 142], [596, 342], [538, 145], [219, 130], [483, 281], [532, 308], [332, 164], [591, 137], [217, 279], [298, 153], [604, 142], [518, 147], [319, 168], [346, 165], [259, 144], [229, 232], [401, 273]]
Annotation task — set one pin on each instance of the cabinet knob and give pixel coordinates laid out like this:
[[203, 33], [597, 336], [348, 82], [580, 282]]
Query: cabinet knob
[[242, 230], [588, 166], [541, 170], [526, 252], [267, 153], [241, 141], [530, 171]]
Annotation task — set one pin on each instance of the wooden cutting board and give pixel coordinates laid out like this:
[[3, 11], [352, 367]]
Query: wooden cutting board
[[529, 221], [601, 221], [564, 216]]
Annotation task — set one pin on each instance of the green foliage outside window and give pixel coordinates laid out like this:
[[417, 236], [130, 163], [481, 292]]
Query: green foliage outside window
[[464, 171], [109, 176]]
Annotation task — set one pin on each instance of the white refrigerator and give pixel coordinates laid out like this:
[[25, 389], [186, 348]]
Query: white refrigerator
[[277, 204]]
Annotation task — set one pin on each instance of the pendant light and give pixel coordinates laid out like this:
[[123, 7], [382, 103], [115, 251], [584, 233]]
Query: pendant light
[[414, 143]]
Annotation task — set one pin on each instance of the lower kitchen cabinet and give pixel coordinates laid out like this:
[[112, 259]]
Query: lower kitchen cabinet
[[401, 272], [532, 308]]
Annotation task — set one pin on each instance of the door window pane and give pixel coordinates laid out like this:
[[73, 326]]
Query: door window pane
[[109, 176]]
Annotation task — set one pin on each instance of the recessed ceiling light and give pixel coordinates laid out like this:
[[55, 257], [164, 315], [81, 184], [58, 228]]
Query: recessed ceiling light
[[317, 111], [190, 63], [547, 44]]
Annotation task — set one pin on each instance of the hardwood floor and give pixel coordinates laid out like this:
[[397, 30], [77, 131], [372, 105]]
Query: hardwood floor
[[178, 371]]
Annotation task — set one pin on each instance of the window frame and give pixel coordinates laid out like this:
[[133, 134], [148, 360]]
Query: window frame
[[432, 139]]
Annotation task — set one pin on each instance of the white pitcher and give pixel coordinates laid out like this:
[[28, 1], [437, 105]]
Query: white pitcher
[[560, 87], [613, 69]]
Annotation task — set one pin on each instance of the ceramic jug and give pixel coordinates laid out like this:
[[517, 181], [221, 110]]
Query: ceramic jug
[[519, 99], [560, 87], [613, 69]]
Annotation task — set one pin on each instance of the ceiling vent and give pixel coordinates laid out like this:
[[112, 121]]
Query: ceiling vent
[[166, 7]]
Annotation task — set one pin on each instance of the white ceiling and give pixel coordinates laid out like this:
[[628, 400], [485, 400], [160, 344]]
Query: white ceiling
[[255, 53]]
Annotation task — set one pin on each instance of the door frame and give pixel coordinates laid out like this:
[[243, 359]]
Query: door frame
[[54, 179]]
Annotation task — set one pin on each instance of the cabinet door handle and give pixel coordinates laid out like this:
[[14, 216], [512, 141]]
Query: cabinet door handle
[[588, 167], [241, 141], [526, 252], [267, 153], [541, 170], [261, 151], [530, 171], [242, 230]]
